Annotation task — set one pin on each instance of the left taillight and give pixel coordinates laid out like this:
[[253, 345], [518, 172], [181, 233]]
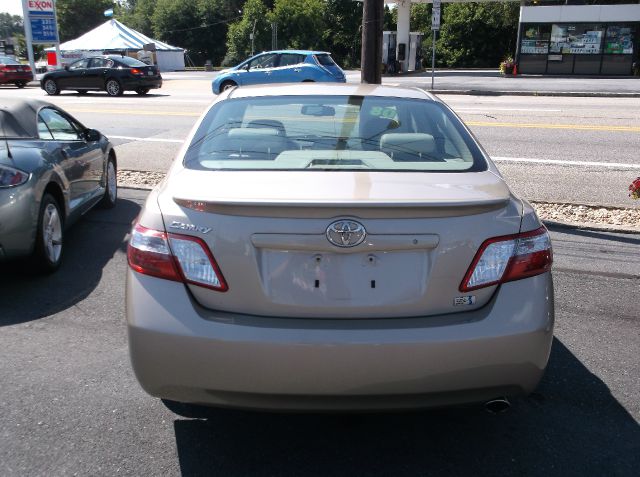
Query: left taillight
[[508, 258], [10, 177], [181, 258], [136, 71]]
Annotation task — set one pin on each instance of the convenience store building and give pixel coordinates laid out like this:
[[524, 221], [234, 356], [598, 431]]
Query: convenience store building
[[568, 39]]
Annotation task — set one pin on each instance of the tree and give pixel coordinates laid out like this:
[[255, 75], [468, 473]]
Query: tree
[[137, 14], [10, 25], [199, 26], [475, 34], [254, 20], [77, 17], [300, 23], [343, 33]]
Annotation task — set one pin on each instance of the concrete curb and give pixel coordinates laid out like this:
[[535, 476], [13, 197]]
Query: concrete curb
[[551, 224]]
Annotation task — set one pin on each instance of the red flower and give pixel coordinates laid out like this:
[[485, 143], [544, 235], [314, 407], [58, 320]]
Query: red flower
[[634, 189]]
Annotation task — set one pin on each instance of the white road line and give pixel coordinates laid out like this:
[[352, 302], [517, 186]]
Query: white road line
[[485, 110], [617, 165], [147, 139]]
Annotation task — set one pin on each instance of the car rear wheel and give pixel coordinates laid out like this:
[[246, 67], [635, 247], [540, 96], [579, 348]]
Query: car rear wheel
[[111, 185], [21, 84], [113, 87], [51, 87], [227, 85], [142, 91], [49, 236]]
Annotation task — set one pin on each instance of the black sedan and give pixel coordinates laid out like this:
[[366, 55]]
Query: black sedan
[[111, 73], [52, 171]]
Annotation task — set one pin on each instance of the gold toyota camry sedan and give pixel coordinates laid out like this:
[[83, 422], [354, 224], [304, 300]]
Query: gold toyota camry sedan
[[336, 247]]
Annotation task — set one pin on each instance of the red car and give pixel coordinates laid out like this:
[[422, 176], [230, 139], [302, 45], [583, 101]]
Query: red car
[[11, 71]]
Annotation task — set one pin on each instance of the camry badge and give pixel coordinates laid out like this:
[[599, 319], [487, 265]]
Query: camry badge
[[189, 227], [346, 233]]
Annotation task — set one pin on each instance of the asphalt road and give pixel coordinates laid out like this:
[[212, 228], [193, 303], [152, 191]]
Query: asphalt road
[[524, 134], [70, 404]]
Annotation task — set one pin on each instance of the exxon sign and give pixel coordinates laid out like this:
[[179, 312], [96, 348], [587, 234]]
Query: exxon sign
[[40, 7]]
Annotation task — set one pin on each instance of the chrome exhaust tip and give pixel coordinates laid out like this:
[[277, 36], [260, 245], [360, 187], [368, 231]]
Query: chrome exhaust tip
[[497, 405]]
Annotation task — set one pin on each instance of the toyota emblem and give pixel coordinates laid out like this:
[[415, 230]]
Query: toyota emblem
[[346, 233]]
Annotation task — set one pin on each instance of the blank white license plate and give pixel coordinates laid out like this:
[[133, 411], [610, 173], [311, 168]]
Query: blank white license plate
[[359, 279]]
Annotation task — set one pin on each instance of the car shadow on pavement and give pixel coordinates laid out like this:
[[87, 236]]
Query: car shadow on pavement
[[89, 244], [571, 425]]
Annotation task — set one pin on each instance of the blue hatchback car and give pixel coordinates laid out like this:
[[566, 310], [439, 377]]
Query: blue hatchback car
[[283, 66]]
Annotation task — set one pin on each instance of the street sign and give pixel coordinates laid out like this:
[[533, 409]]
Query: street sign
[[435, 16], [43, 30]]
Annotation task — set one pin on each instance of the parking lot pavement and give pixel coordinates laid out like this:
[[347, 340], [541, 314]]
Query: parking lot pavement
[[71, 405]]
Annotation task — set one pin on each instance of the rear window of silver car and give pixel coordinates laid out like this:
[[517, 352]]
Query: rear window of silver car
[[333, 133]]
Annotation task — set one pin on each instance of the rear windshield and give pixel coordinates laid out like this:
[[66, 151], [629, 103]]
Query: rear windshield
[[325, 60], [127, 60], [7, 60], [332, 133]]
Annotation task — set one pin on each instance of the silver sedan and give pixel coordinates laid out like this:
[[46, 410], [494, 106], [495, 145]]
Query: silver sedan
[[52, 170], [336, 247]]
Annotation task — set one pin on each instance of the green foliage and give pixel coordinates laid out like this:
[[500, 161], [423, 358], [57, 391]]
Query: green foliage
[[10, 25], [200, 26], [343, 31], [254, 19], [77, 17], [137, 14], [476, 34], [300, 23]]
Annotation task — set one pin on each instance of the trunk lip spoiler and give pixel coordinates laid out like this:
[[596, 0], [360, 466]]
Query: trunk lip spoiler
[[206, 205]]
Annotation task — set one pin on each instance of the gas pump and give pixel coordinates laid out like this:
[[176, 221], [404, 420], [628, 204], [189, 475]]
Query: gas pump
[[389, 51], [415, 50]]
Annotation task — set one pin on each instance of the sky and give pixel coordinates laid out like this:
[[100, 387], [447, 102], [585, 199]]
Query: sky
[[14, 7]]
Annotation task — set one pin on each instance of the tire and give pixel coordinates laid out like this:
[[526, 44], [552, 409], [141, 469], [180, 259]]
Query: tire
[[21, 84], [227, 85], [142, 91], [49, 235], [110, 197], [188, 410], [51, 87], [113, 87]]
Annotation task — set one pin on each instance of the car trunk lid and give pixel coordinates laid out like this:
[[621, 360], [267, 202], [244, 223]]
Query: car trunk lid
[[270, 233]]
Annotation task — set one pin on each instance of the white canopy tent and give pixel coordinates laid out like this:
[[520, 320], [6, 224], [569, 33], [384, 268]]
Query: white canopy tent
[[113, 35]]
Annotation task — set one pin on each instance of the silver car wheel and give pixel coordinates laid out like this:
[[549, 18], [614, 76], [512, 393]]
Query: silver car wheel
[[113, 88], [112, 182], [52, 233], [50, 87]]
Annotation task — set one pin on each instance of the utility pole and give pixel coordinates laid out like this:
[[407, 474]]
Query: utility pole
[[371, 57]]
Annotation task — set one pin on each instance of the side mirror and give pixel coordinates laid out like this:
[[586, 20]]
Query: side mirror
[[91, 135]]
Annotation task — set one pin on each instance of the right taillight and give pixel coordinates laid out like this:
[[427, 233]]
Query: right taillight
[[509, 258], [174, 257]]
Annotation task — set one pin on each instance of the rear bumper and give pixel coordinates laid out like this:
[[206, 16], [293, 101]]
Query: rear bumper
[[13, 77], [151, 83], [18, 220], [182, 352]]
